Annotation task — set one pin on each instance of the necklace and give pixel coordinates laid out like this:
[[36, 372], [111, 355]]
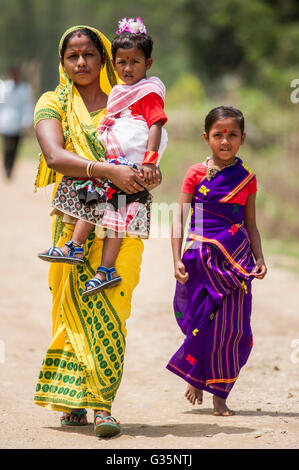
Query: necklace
[[213, 170]]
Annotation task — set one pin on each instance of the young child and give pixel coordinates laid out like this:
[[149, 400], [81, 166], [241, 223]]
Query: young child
[[133, 134], [212, 301]]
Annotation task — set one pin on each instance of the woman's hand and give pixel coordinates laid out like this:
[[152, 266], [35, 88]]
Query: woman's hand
[[125, 178], [260, 269], [180, 272]]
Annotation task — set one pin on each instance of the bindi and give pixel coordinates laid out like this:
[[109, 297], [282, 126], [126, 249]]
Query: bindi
[[79, 35], [79, 50], [127, 57], [225, 131]]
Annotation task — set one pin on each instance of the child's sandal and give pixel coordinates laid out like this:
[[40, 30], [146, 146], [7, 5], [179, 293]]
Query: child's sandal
[[95, 285], [55, 255]]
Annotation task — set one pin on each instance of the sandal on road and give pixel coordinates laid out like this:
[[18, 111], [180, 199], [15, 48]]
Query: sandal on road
[[108, 427], [95, 285], [55, 254], [78, 414]]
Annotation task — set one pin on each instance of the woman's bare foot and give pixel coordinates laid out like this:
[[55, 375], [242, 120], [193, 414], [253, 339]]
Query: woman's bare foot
[[220, 407], [193, 394]]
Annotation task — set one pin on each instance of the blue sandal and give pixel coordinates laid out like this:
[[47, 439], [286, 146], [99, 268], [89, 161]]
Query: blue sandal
[[79, 414], [55, 255], [96, 284], [106, 428]]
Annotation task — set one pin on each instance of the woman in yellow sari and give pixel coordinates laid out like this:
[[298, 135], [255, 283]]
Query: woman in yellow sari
[[84, 363]]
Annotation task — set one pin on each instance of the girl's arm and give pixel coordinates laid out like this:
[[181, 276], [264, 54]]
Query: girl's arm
[[177, 236], [149, 171], [50, 137], [260, 268]]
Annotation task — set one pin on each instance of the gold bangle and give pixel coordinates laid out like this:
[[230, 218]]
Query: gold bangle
[[91, 168], [88, 169]]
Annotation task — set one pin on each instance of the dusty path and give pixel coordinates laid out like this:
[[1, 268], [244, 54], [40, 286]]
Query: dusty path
[[150, 402]]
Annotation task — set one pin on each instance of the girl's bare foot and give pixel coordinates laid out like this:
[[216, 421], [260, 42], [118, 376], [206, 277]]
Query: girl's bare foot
[[220, 407], [193, 394]]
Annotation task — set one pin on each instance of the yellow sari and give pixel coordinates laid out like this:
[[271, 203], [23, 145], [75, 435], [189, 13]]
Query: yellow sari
[[84, 363]]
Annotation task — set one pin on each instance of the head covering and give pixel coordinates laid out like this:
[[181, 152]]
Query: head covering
[[78, 120], [108, 77]]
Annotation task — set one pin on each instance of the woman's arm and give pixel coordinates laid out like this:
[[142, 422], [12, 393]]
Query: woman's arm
[[50, 138], [260, 269], [177, 236]]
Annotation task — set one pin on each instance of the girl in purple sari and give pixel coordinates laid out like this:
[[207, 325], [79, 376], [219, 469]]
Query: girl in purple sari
[[222, 255]]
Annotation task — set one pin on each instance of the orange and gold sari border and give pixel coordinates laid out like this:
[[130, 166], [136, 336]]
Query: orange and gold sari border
[[204, 382], [239, 187], [226, 381], [236, 265]]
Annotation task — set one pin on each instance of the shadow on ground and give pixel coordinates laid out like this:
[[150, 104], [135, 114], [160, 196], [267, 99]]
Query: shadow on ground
[[176, 430]]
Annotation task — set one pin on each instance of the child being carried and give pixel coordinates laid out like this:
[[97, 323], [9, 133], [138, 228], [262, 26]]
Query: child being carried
[[133, 135]]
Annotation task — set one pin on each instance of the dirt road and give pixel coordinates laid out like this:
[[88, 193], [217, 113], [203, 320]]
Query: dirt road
[[150, 403]]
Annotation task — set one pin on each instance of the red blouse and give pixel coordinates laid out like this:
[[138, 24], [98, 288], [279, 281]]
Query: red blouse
[[151, 107], [196, 173]]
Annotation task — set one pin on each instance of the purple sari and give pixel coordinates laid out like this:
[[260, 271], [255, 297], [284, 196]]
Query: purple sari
[[213, 307]]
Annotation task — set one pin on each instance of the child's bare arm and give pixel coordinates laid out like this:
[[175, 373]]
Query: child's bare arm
[[154, 138], [260, 269], [177, 236]]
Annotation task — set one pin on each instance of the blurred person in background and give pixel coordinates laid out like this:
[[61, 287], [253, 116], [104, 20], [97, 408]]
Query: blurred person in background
[[16, 116]]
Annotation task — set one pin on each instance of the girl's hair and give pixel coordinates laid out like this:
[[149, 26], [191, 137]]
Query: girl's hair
[[223, 112], [126, 40], [86, 32]]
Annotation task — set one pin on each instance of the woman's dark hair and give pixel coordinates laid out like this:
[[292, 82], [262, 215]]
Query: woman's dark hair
[[223, 112], [86, 32], [126, 40]]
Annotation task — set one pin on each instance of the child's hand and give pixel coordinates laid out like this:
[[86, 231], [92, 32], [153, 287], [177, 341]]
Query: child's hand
[[149, 173], [260, 269], [180, 273]]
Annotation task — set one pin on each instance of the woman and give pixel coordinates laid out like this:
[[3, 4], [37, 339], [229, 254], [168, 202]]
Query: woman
[[84, 363]]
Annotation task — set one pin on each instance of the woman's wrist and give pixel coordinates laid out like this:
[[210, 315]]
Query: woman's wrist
[[102, 170]]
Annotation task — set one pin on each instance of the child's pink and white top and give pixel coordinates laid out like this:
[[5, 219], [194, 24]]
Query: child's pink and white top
[[131, 111]]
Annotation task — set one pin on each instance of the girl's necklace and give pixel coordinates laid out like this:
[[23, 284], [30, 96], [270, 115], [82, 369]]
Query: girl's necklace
[[213, 170]]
